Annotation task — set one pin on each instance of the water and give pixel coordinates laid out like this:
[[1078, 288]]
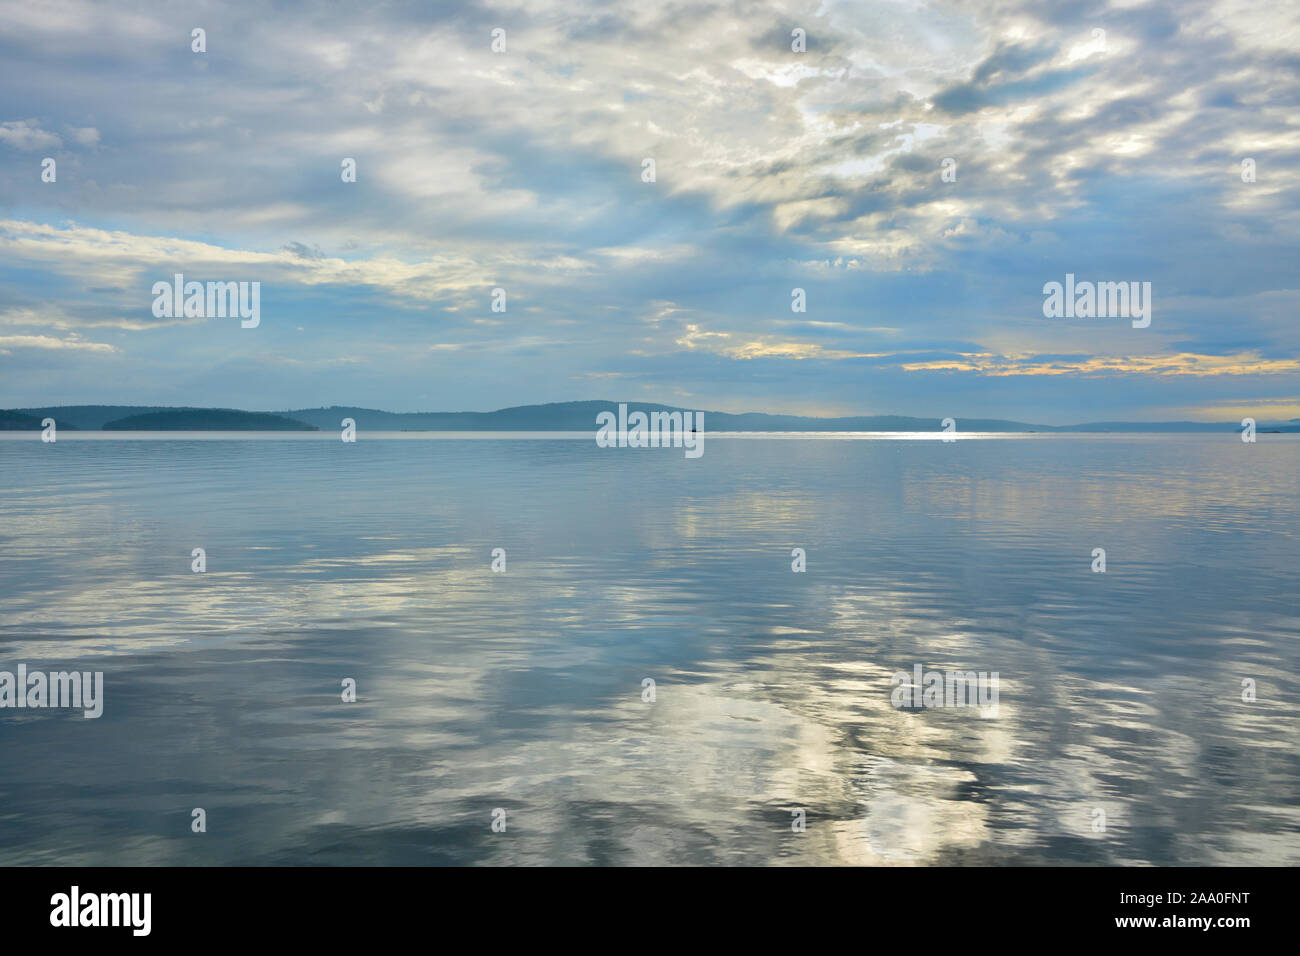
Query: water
[[522, 690]]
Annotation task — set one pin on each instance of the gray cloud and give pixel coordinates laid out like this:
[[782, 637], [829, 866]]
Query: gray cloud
[[774, 170]]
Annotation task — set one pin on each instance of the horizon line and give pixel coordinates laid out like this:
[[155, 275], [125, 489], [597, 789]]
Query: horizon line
[[648, 403]]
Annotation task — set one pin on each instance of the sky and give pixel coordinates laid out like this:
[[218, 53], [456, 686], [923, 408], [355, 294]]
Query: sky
[[1108, 141]]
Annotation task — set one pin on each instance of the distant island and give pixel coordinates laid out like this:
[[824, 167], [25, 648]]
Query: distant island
[[17, 421], [556, 416], [205, 419]]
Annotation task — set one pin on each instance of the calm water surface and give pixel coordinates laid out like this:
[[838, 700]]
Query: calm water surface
[[1119, 692]]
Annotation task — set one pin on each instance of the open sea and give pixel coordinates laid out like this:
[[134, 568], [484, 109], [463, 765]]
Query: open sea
[[1149, 714]]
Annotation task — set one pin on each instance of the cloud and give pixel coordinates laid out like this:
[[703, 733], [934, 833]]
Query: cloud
[[84, 135], [1179, 364], [1116, 157], [50, 342], [27, 135]]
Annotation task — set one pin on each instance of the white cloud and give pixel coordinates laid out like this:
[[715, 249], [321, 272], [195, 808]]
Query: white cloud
[[50, 342], [27, 135], [84, 135]]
